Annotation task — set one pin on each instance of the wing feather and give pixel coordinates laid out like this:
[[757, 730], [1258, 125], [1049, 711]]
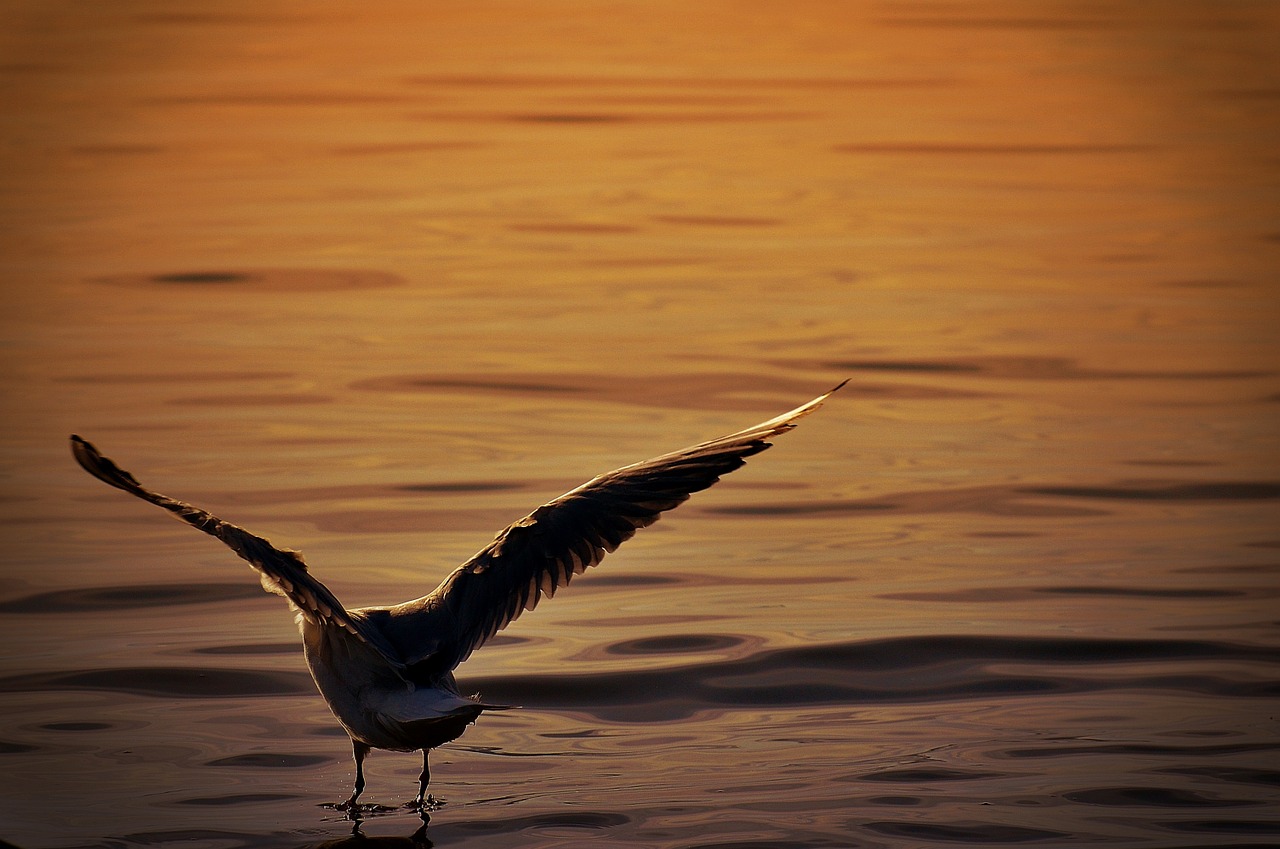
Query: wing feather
[[281, 571], [542, 552]]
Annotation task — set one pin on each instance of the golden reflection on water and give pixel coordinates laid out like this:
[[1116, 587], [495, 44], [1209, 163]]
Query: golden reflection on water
[[375, 280]]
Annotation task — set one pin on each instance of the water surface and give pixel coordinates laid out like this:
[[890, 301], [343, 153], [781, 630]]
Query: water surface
[[374, 281]]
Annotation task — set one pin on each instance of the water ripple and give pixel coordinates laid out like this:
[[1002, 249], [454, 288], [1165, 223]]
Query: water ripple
[[925, 775], [903, 670], [262, 279], [85, 599], [1033, 368], [1015, 501], [709, 391], [166, 681], [1156, 797], [985, 833], [1237, 775]]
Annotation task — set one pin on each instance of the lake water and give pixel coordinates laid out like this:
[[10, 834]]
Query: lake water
[[373, 280]]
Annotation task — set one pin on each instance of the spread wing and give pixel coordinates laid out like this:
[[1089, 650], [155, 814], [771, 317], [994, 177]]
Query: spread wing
[[543, 551], [281, 571]]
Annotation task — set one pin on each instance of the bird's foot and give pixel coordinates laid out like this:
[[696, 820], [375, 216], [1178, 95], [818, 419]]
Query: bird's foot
[[349, 808], [426, 804], [355, 811], [346, 806]]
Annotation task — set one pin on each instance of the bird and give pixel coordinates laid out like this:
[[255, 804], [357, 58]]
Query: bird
[[387, 673]]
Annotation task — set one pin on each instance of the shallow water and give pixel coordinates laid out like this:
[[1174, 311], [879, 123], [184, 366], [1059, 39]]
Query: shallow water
[[375, 281]]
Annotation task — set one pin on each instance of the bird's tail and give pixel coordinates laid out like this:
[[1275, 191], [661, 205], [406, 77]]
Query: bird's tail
[[475, 697]]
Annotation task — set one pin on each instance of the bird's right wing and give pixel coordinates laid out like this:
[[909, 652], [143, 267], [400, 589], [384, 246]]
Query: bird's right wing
[[281, 571], [538, 554]]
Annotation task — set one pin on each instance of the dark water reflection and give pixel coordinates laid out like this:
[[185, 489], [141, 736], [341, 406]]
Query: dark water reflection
[[126, 597], [844, 715], [900, 671]]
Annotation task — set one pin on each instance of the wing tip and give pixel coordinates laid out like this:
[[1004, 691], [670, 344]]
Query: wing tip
[[816, 402], [102, 467], [787, 421], [90, 459], [82, 447]]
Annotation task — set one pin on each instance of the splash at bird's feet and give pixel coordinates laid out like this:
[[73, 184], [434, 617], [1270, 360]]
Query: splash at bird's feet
[[430, 803], [356, 811]]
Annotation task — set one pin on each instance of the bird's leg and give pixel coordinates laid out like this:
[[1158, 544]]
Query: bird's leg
[[425, 778], [422, 803], [360, 750]]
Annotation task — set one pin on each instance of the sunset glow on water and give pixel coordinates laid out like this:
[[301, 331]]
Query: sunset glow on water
[[375, 280]]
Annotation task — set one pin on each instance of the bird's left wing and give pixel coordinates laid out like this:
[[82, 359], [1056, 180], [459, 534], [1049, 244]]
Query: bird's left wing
[[543, 551], [281, 571]]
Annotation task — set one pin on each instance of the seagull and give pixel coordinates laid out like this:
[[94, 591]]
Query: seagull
[[387, 672]]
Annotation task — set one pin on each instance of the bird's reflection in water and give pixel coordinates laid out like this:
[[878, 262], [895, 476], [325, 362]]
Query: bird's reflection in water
[[417, 840]]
